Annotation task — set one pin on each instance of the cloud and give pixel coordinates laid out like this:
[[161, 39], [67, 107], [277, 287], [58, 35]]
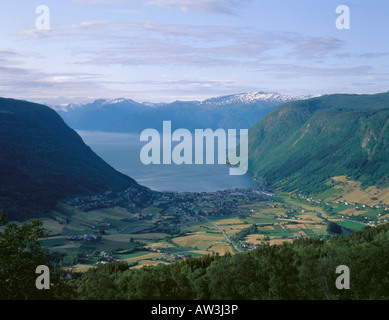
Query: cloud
[[124, 50], [366, 55], [227, 7], [101, 2], [188, 88], [37, 33], [4, 52], [32, 84], [298, 71], [88, 25], [150, 43], [310, 47], [83, 28], [373, 54]]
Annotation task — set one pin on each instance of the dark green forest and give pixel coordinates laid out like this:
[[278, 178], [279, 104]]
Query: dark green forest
[[43, 161], [302, 270]]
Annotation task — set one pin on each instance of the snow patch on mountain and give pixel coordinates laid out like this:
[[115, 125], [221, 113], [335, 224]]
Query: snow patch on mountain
[[241, 98], [253, 97]]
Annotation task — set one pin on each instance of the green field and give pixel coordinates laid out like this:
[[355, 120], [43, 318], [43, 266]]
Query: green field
[[156, 234], [351, 225], [131, 255]]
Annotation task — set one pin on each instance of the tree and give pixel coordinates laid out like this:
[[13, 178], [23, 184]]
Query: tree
[[334, 228], [21, 254], [328, 210]]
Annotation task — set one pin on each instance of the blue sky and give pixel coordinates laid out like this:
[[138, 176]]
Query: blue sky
[[166, 50]]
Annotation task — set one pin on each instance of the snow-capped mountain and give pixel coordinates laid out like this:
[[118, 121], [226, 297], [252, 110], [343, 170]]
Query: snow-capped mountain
[[235, 111], [99, 114], [64, 107], [253, 97], [95, 104]]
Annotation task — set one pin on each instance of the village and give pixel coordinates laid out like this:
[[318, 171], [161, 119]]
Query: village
[[207, 203], [356, 207], [173, 226], [129, 198]]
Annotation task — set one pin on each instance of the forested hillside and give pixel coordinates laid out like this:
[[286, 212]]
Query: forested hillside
[[302, 270], [300, 145], [42, 161]]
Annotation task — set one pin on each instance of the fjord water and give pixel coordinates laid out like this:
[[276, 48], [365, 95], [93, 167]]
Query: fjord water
[[122, 151]]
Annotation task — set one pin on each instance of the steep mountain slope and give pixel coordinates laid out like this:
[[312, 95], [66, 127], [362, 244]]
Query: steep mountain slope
[[299, 145], [42, 160], [227, 112]]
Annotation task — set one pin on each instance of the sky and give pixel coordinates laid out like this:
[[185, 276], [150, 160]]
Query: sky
[[167, 50]]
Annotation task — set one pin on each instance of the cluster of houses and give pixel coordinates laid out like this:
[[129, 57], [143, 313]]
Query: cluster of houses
[[99, 201], [318, 201], [288, 217], [105, 258], [84, 237], [347, 203], [295, 236], [375, 223], [350, 203], [210, 203], [358, 206], [250, 246], [126, 198], [178, 203], [185, 206], [178, 256]]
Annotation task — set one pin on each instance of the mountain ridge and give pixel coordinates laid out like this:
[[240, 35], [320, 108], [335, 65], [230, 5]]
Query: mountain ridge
[[231, 111], [301, 145], [42, 161], [253, 97]]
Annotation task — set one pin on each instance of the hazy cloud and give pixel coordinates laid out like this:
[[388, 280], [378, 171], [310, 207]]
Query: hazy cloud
[[28, 83], [298, 71], [373, 54], [201, 56], [210, 6], [310, 47], [367, 55], [146, 43], [228, 7]]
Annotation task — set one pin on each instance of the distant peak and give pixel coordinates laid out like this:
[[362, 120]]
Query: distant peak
[[252, 97], [115, 101]]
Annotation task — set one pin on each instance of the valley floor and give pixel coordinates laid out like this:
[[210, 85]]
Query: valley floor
[[177, 226]]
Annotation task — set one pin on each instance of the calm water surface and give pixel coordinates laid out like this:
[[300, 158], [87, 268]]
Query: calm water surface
[[122, 150]]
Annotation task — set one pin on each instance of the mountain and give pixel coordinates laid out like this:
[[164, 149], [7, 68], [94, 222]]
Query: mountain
[[239, 111], [42, 161], [252, 98], [101, 114], [300, 145]]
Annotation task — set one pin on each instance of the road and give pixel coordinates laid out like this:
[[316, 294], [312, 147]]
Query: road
[[224, 234]]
